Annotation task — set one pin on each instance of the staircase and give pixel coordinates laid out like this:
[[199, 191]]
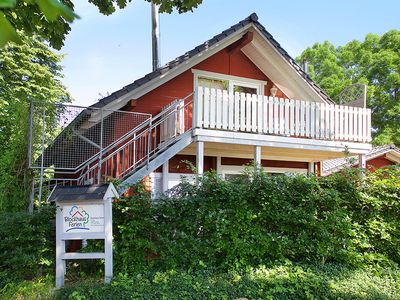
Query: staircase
[[129, 159], [144, 149]]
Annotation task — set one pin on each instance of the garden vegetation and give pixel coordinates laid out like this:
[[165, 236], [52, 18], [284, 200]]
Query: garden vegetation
[[256, 236]]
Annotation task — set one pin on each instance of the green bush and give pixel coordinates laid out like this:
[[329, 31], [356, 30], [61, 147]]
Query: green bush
[[27, 247], [257, 218], [249, 220], [377, 216]]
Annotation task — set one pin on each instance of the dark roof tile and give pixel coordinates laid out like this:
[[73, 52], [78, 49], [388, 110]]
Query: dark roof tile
[[83, 192]]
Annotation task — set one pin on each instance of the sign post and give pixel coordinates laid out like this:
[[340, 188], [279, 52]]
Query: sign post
[[83, 213]]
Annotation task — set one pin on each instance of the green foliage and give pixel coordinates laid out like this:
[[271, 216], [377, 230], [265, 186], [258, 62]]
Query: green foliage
[[255, 236], [39, 288], [281, 281], [27, 245], [375, 62], [134, 231], [258, 218], [254, 218], [377, 216], [28, 72], [51, 19]]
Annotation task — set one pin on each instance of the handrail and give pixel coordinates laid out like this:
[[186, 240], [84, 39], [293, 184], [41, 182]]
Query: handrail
[[142, 134]]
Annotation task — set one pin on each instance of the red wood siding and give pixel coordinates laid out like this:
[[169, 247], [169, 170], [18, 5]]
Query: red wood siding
[[378, 162], [236, 64]]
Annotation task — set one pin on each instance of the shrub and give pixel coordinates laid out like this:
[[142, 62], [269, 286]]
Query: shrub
[[27, 245], [377, 214], [134, 230], [252, 219]]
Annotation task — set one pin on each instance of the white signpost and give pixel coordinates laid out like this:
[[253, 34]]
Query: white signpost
[[83, 213]]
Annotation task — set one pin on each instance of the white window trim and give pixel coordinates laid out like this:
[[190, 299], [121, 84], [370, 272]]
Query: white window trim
[[228, 169], [233, 80]]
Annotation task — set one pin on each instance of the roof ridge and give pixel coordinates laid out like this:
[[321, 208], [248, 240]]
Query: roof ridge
[[252, 18]]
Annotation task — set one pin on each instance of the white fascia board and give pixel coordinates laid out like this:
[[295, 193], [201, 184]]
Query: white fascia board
[[111, 192], [156, 82], [290, 66], [228, 77], [394, 156], [231, 137]]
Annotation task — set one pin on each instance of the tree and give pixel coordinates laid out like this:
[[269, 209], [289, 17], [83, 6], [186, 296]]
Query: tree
[[375, 62], [28, 72], [51, 18]]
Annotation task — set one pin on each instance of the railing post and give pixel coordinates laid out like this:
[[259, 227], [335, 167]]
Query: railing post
[[32, 197], [149, 143], [195, 105], [42, 158], [30, 134], [101, 148]]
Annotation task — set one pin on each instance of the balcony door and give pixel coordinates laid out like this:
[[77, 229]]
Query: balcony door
[[228, 83]]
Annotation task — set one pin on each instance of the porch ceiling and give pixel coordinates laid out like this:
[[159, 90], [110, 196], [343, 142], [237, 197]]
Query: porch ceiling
[[271, 153]]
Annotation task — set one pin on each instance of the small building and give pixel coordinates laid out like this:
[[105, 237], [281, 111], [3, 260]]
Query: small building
[[378, 157], [235, 98]]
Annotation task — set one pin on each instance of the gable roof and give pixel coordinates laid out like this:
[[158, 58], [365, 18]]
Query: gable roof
[[333, 165], [252, 19], [82, 192]]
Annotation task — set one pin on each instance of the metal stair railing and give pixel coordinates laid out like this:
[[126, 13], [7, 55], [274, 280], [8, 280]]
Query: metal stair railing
[[130, 152], [145, 143]]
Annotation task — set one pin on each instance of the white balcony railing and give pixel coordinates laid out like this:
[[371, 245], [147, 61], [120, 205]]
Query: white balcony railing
[[217, 109]]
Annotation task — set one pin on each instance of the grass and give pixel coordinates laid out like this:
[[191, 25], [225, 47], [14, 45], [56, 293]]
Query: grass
[[280, 281]]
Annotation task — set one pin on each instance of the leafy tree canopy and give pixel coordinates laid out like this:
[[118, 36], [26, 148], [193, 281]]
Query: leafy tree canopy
[[51, 18], [29, 71], [375, 62]]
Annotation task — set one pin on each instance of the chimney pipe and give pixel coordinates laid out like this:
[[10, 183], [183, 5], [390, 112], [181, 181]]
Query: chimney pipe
[[306, 67], [155, 35]]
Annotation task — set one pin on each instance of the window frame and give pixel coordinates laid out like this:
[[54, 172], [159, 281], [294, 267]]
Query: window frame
[[232, 80], [234, 170]]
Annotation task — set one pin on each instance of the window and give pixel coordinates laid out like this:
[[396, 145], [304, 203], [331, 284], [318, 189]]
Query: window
[[230, 171], [245, 89], [211, 83], [228, 83]]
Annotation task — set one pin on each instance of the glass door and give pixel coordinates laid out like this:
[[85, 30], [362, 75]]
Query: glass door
[[244, 87]]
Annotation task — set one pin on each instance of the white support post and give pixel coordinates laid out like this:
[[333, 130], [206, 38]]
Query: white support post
[[60, 250], [108, 252], [200, 158], [311, 168], [219, 166], [257, 156], [165, 170], [362, 162]]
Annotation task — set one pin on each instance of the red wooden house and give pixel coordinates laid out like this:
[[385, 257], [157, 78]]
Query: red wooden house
[[235, 98]]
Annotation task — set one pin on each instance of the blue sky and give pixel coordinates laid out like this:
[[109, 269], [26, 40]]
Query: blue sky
[[104, 53]]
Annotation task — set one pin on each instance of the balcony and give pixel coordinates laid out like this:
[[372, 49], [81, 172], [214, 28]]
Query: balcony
[[257, 114]]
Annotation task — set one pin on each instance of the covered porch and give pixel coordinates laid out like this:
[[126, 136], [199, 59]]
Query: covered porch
[[229, 157]]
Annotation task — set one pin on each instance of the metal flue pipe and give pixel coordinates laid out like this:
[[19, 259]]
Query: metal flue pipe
[[155, 35]]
